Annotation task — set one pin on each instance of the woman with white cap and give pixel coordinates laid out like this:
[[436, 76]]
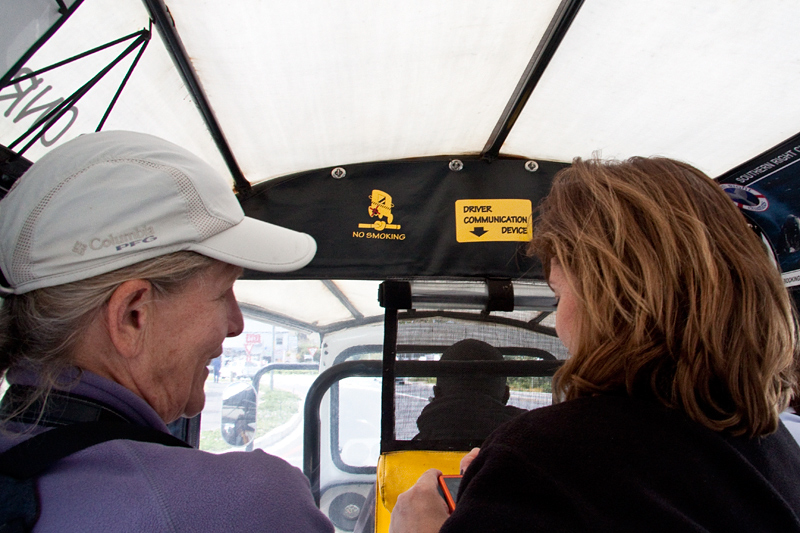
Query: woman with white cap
[[119, 252]]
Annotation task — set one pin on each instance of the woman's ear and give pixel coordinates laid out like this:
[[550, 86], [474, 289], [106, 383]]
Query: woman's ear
[[128, 315]]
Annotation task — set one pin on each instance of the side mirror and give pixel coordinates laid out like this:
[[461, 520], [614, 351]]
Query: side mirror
[[239, 402]]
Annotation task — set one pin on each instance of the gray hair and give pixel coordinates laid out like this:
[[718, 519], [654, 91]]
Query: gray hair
[[39, 330]]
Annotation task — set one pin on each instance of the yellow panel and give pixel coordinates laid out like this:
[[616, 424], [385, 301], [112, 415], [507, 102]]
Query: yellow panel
[[397, 471], [493, 220]]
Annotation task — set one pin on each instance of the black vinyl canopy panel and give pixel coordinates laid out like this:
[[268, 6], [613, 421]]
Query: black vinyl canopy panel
[[438, 217]]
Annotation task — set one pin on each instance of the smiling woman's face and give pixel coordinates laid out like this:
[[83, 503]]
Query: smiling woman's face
[[567, 312], [189, 329]]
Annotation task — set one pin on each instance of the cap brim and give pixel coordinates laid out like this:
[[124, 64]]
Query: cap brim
[[260, 246]]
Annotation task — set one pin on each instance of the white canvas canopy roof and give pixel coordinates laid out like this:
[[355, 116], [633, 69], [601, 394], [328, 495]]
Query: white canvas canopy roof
[[267, 89]]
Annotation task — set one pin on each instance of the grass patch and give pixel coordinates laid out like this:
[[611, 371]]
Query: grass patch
[[298, 371], [275, 408], [535, 384], [211, 441]]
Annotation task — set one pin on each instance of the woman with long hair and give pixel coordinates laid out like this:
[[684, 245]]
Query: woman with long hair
[[682, 343]]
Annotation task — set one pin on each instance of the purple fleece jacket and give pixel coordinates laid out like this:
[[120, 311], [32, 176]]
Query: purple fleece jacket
[[144, 487]]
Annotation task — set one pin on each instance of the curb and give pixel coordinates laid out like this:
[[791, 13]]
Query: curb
[[278, 433]]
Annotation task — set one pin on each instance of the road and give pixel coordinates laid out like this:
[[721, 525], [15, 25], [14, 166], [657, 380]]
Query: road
[[213, 409]]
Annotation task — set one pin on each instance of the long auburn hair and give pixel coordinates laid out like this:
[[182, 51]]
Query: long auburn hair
[[679, 299]]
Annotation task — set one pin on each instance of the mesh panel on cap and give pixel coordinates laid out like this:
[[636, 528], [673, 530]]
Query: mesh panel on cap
[[207, 225], [21, 268]]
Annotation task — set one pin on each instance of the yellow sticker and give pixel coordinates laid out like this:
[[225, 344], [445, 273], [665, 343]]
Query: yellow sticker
[[380, 208], [493, 220]]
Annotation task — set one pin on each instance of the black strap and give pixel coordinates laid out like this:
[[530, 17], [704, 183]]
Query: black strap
[[61, 408], [23, 463], [35, 455], [78, 423], [19, 507]]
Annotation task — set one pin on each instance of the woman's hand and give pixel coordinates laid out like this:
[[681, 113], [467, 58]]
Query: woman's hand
[[467, 459], [420, 509]]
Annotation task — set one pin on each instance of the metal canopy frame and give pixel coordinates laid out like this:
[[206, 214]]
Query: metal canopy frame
[[533, 73], [550, 42], [66, 12], [140, 39], [166, 28]]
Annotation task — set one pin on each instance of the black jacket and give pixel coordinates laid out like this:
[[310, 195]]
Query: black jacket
[[611, 463], [463, 416]]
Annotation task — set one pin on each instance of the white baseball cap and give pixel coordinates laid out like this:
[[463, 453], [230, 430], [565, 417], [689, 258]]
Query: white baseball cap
[[111, 199]]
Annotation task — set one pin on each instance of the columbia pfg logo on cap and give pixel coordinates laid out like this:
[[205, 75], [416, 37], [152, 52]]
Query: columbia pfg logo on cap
[[79, 248]]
